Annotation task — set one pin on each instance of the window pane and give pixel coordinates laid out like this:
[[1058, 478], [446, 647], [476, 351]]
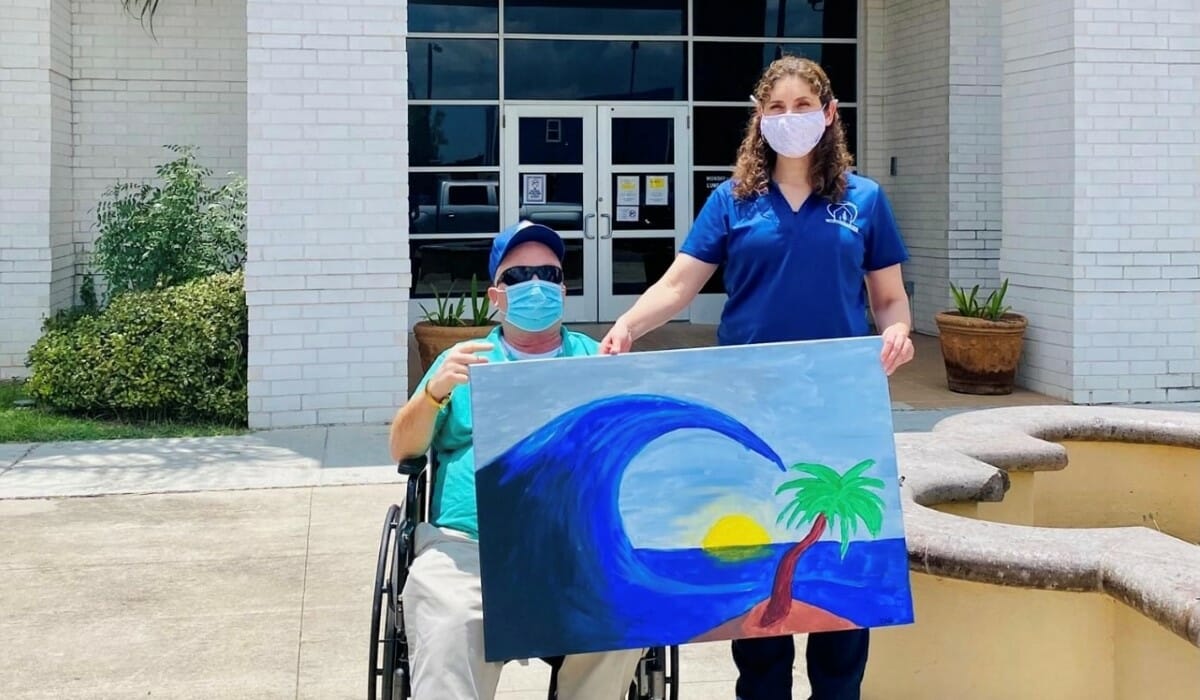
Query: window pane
[[594, 70], [573, 267], [655, 202], [453, 203], [551, 141], [457, 135], [452, 16], [850, 126], [643, 141], [562, 205], [703, 184], [445, 265], [761, 18], [718, 134], [727, 72], [716, 283], [453, 69], [667, 17], [638, 263]]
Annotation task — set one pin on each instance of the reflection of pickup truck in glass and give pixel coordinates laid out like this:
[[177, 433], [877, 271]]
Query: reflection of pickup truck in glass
[[473, 206]]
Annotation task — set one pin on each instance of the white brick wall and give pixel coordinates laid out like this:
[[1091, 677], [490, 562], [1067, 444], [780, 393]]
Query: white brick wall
[[90, 98], [62, 205], [872, 26], [1137, 203], [932, 84], [974, 168], [1037, 122], [133, 93], [328, 274], [1102, 195], [26, 144], [910, 75]]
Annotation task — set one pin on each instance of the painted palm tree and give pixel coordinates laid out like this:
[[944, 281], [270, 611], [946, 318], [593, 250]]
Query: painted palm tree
[[826, 499]]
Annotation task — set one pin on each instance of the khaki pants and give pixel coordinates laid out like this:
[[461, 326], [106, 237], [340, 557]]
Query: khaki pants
[[443, 618]]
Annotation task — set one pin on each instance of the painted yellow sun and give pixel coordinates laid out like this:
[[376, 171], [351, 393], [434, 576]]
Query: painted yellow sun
[[737, 535]]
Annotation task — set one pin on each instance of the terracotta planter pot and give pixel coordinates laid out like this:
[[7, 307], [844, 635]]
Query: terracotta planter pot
[[433, 340], [981, 356]]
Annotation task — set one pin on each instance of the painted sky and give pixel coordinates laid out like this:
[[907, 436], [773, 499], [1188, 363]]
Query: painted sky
[[817, 401]]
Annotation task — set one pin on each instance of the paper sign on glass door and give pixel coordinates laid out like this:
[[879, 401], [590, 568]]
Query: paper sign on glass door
[[628, 191], [535, 189], [656, 191]]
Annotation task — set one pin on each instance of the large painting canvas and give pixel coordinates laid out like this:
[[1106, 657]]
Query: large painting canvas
[[686, 496]]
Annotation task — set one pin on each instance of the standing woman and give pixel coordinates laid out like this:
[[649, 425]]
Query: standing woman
[[798, 234]]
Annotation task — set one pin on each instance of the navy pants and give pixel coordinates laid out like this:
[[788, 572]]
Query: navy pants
[[836, 663]]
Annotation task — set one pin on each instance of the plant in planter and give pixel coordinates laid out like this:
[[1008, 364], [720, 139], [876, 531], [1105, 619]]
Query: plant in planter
[[981, 343], [448, 323]]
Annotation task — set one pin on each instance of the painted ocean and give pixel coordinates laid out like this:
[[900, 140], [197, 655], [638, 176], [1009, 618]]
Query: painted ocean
[[634, 519]]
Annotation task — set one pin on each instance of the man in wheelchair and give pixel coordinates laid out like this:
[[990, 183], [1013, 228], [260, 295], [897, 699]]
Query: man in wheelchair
[[443, 606]]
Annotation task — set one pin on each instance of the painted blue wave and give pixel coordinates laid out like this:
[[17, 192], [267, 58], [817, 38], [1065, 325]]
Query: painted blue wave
[[557, 593]]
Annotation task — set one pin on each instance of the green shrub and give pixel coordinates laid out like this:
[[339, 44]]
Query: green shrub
[[88, 306], [156, 236], [171, 353]]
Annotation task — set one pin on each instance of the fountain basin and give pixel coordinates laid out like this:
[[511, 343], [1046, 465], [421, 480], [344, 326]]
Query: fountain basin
[[1054, 554]]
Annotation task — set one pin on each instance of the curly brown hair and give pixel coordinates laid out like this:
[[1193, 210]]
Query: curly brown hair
[[831, 158]]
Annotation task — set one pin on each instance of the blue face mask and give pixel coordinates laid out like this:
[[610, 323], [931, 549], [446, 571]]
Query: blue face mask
[[534, 306]]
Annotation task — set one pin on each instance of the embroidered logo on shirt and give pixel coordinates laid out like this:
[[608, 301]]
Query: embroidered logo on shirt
[[844, 214]]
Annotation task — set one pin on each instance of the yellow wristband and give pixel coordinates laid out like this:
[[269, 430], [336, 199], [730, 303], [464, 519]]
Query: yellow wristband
[[439, 405]]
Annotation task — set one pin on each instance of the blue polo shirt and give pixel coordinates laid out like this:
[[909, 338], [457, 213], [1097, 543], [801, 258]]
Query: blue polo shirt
[[796, 275], [453, 502]]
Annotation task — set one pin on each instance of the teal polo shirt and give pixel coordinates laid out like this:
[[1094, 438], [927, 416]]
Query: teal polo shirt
[[453, 500]]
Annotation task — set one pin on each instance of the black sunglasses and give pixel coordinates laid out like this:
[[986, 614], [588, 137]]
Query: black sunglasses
[[523, 273]]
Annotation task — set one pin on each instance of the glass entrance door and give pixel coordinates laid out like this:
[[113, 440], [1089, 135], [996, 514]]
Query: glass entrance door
[[612, 180]]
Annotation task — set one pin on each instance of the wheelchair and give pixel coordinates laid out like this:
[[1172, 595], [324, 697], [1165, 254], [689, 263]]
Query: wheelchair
[[389, 675]]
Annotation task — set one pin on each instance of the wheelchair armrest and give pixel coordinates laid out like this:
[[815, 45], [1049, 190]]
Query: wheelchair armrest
[[413, 466]]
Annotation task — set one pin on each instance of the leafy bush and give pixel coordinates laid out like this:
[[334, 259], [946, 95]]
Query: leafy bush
[[156, 236], [171, 353], [88, 306]]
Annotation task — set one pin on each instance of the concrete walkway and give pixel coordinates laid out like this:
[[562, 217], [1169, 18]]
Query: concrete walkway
[[229, 567], [335, 456]]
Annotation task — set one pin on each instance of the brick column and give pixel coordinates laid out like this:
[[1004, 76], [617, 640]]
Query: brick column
[[328, 272], [931, 100], [914, 83], [35, 153], [1101, 188], [973, 230]]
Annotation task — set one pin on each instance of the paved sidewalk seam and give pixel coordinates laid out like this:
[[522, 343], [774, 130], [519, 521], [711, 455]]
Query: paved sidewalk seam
[[304, 585], [15, 462]]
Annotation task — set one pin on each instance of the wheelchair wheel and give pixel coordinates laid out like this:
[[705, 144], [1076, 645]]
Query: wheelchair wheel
[[657, 675], [388, 672], [671, 673]]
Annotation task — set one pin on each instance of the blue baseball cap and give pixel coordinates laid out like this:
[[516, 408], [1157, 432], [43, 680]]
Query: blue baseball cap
[[524, 232]]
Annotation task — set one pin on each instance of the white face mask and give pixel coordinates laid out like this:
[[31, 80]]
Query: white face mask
[[794, 135]]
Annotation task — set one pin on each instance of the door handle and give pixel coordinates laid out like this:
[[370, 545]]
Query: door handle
[[585, 227], [607, 218]]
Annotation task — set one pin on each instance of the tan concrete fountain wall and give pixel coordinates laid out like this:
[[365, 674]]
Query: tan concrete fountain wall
[[1105, 484], [1055, 555], [984, 642]]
